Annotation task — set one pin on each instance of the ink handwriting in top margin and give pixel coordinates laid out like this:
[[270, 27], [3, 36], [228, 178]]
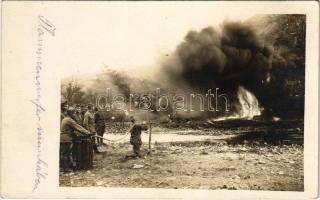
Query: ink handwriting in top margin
[[44, 27]]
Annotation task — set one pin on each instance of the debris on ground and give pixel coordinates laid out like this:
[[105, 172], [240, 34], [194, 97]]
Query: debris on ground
[[135, 166]]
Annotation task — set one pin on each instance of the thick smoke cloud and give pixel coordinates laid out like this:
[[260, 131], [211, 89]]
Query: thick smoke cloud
[[228, 58], [265, 55]]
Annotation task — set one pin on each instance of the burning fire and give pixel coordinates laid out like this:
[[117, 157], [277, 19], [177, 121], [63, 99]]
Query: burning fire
[[248, 106]]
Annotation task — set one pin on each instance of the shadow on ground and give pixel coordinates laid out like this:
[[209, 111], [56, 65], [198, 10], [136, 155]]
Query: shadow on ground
[[260, 137]]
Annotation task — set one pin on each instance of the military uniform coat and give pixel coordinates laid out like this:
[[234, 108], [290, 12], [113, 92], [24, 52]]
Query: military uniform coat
[[99, 120], [135, 138], [88, 122], [68, 128]]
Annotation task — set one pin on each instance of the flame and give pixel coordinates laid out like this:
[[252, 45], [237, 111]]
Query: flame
[[248, 103], [248, 106]]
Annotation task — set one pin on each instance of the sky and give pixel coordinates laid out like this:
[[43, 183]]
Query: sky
[[128, 35]]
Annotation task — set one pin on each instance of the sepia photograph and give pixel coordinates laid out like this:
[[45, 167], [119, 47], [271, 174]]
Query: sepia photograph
[[159, 99], [220, 108]]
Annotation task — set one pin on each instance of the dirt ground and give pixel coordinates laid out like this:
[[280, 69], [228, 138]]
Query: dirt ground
[[232, 161]]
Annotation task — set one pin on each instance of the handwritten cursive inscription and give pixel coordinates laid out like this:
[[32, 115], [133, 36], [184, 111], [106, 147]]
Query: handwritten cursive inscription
[[44, 27]]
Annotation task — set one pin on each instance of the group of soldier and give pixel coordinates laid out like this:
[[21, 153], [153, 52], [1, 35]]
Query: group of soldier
[[78, 121], [87, 121]]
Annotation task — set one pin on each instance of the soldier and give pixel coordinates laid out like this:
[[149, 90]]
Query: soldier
[[88, 121], [83, 111], [68, 128], [100, 122], [135, 138], [78, 115], [64, 107]]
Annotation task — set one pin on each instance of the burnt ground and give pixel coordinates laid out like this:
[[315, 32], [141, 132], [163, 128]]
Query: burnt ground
[[235, 155]]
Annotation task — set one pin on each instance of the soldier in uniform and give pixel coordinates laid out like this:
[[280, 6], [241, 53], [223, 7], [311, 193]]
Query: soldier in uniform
[[100, 122], [135, 137], [88, 121], [78, 115], [64, 107], [68, 128], [83, 111]]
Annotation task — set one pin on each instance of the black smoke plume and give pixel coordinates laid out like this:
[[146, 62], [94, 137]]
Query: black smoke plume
[[230, 56]]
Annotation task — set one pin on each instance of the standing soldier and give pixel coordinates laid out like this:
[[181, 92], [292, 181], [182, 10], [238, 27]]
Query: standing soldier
[[83, 111], [88, 121], [68, 128], [100, 122], [64, 107], [78, 115], [135, 138]]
